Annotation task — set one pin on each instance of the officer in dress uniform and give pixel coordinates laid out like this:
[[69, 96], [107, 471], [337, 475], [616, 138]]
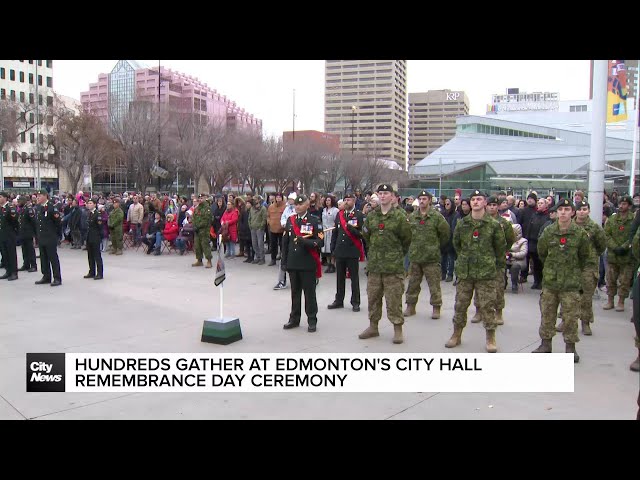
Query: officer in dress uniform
[[8, 230], [94, 237], [302, 239], [48, 218], [346, 247], [27, 231]]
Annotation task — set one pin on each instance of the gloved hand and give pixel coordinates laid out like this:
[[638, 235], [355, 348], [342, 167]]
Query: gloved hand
[[621, 251]]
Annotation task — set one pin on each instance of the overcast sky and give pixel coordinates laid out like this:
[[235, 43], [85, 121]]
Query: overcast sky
[[265, 87]]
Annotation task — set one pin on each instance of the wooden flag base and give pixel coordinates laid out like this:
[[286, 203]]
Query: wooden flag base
[[222, 331]]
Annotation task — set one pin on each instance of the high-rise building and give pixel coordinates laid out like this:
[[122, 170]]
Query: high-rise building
[[366, 104], [110, 98], [632, 78], [432, 120], [28, 86]]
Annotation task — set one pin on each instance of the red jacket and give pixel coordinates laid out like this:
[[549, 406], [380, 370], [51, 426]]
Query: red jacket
[[170, 232], [231, 219]]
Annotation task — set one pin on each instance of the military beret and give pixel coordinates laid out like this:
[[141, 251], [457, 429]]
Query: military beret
[[4, 194], [385, 187], [300, 199], [626, 198], [43, 191], [424, 193], [582, 204], [348, 195], [477, 193], [492, 199], [564, 202]]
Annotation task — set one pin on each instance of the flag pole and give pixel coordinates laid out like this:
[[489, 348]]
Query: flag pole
[[636, 125], [222, 284]]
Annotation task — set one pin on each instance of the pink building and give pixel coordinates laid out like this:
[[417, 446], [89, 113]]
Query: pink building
[[129, 81]]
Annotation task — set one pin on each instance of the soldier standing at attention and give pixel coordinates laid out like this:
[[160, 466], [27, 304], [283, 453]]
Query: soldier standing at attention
[[94, 237], [388, 235], [620, 261], [302, 239], [114, 223], [635, 365], [347, 249], [8, 230], [564, 250], [480, 245], [501, 265], [429, 234], [202, 219], [48, 220], [27, 230], [590, 273]]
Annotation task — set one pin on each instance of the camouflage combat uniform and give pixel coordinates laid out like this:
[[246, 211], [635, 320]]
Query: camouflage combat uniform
[[620, 262], [590, 273], [115, 229], [202, 223]]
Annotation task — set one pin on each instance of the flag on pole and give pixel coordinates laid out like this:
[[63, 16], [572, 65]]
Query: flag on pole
[[220, 274], [617, 91]]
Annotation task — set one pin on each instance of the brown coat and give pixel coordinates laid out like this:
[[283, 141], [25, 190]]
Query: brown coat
[[274, 212]]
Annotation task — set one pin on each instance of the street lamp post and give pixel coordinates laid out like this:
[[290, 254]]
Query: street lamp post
[[353, 122]]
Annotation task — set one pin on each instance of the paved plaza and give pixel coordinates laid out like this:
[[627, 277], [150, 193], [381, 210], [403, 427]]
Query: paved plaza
[[152, 303]]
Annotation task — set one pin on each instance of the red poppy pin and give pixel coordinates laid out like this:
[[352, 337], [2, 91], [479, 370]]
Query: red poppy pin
[[476, 234], [304, 220], [381, 226], [421, 222], [621, 227], [563, 240]]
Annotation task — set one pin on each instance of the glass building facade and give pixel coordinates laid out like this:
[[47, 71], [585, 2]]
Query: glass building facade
[[122, 92]]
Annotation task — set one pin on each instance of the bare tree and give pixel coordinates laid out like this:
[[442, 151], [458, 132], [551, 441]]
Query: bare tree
[[307, 163], [249, 154], [278, 164], [221, 166], [355, 169], [9, 130], [333, 165]]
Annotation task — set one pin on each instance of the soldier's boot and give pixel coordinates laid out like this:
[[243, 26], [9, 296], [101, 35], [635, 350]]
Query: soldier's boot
[[112, 251], [370, 332], [586, 328], [499, 319], [209, 264], [635, 366], [456, 338], [197, 264], [397, 334], [609, 304], [571, 348], [436, 312], [545, 347], [491, 341], [476, 318], [119, 251], [560, 327], [410, 310], [620, 306]]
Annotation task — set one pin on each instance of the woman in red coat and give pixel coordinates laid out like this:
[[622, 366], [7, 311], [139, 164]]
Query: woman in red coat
[[170, 232], [229, 229]]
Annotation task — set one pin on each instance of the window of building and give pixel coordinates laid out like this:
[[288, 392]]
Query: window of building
[[49, 101], [24, 157], [49, 63], [2, 73], [23, 117], [50, 82], [31, 118], [12, 75], [50, 120], [21, 76], [4, 157], [32, 137], [23, 137], [39, 63], [3, 94], [31, 98], [31, 79], [39, 99], [14, 156], [21, 97], [13, 95], [40, 80]]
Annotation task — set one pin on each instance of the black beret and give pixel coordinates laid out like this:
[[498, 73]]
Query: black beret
[[424, 193], [564, 202], [385, 187], [582, 204], [477, 193], [300, 199], [492, 199]]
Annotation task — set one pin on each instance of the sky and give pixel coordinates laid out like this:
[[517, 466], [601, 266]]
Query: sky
[[265, 88]]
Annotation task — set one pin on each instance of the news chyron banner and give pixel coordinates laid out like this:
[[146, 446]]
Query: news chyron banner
[[299, 372]]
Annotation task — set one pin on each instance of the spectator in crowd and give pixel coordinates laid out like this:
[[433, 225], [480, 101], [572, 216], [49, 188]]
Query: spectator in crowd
[[186, 234], [153, 239], [274, 213], [229, 229], [517, 257]]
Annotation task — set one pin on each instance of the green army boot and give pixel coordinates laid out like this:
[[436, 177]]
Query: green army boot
[[112, 251], [586, 329], [456, 338], [197, 264], [545, 347], [119, 252], [476, 318], [370, 332], [635, 366], [209, 265], [620, 306], [609, 304], [491, 341], [499, 319], [560, 327], [410, 310], [571, 348], [436, 312], [397, 334]]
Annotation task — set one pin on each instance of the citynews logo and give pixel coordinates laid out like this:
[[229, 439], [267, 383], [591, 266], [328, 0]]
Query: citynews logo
[[45, 372]]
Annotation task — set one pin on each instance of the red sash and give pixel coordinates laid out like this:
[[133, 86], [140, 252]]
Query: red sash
[[357, 242], [314, 253]]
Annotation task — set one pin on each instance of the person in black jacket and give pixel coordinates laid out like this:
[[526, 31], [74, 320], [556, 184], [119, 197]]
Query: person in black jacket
[[8, 231], [47, 219], [153, 239], [348, 226], [27, 231], [537, 221], [302, 239], [94, 237], [524, 219], [217, 210]]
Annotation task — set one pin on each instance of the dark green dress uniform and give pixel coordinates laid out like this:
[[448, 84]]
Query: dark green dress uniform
[[298, 260], [8, 231], [27, 232], [94, 237], [347, 255], [47, 219]]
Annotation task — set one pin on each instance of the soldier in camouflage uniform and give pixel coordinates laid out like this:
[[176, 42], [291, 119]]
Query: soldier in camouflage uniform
[[429, 233], [480, 245], [501, 266], [619, 258], [202, 219], [564, 249], [115, 228], [590, 273], [388, 235], [635, 365]]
